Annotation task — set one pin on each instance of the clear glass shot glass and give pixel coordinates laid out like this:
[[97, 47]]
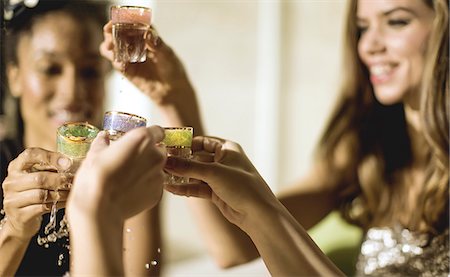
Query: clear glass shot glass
[[116, 124], [131, 26], [178, 142], [73, 139]]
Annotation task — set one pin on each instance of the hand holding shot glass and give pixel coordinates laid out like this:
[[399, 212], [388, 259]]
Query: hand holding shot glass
[[73, 139], [178, 142], [131, 26]]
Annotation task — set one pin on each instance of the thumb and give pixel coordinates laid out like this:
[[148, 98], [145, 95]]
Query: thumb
[[99, 143]]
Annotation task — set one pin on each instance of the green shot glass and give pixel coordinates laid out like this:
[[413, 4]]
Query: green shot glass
[[178, 142]]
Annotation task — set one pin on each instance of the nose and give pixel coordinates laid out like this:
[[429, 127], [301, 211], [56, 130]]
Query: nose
[[71, 89], [372, 41]]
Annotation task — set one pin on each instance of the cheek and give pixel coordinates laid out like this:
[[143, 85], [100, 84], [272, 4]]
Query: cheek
[[35, 91]]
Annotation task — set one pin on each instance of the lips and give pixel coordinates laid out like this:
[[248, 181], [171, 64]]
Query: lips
[[62, 116], [381, 73]]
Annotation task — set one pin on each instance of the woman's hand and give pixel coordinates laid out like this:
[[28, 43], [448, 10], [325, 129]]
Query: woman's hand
[[230, 180], [32, 185], [162, 76], [122, 178]]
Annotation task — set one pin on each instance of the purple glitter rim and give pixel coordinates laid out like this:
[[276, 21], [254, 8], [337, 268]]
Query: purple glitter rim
[[122, 122]]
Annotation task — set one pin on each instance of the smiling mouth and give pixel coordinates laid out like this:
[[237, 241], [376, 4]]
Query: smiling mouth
[[62, 116], [381, 73]]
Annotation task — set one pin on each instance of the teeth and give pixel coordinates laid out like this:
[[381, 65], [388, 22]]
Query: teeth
[[66, 116], [380, 69]]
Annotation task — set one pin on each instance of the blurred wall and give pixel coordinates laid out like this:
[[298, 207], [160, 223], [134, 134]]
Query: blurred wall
[[243, 56]]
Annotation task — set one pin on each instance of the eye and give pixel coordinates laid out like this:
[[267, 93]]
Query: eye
[[51, 70], [361, 29], [90, 72], [398, 23]]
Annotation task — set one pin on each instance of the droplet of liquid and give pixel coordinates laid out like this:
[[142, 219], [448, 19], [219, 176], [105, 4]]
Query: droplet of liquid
[[60, 259], [153, 262], [159, 250], [46, 245], [128, 230], [147, 266]]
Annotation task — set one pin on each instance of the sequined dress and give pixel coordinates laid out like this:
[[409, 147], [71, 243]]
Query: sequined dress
[[399, 252]]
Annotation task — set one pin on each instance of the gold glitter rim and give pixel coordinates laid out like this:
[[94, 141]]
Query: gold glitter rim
[[179, 128], [127, 114], [130, 7], [75, 123]]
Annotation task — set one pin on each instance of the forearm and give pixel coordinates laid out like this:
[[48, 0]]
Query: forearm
[[226, 242], [285, 246], [142, 244], [96, 246], [182, 109], [12, 251]]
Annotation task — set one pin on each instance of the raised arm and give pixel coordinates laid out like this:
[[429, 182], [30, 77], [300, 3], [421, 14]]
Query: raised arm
[[244, 199], [162, 78], [113, 184]]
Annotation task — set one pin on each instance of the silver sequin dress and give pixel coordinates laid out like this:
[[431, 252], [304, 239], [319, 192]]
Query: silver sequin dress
[[399, 252]]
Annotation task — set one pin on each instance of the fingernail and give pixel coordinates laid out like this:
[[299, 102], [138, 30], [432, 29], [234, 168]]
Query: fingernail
[[64, 163]]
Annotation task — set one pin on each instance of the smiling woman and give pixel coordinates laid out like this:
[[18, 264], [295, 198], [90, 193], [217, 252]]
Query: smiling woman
[[56, 74]]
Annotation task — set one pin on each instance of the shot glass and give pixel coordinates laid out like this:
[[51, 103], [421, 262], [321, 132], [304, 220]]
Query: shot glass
[[178, 142], [73, 139], [116, 124], [131, 25]]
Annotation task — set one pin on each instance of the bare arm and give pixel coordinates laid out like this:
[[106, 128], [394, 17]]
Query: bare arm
[[12, 250], [230, 246], [229, 203], [285, 246], [108, 191], [142, 241]]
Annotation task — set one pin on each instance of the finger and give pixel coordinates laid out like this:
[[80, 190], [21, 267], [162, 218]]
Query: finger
[[108, 27], [99, 143], [200, 190], [153, 40], [137, 141], [207, 144], [35, 196], [38, 156], [206, 172], [106, 50], [38, 180], [33, 211]]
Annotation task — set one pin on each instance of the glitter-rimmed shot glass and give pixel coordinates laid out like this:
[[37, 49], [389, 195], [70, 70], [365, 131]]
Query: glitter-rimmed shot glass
[[131, 26], [73, 139], [116, 124], [178, 142]]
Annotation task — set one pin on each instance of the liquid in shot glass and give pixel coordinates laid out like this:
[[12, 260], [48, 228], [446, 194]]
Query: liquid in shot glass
[[178, 142], [74, 139], [116, 124], [131, 26]]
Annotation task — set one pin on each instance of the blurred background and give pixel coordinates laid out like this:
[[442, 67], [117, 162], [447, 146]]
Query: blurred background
[[266, 74]]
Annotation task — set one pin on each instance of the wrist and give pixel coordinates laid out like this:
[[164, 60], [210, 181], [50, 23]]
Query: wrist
[[9, 233], [262, 214]]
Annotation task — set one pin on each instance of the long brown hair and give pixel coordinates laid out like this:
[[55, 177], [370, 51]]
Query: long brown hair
[[374, 141]]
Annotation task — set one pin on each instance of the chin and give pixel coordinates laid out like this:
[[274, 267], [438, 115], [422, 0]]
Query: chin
[[388, 98]]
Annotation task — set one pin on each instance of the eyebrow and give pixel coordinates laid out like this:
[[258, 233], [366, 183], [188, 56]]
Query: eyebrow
[[45, 53], [388, 12]]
